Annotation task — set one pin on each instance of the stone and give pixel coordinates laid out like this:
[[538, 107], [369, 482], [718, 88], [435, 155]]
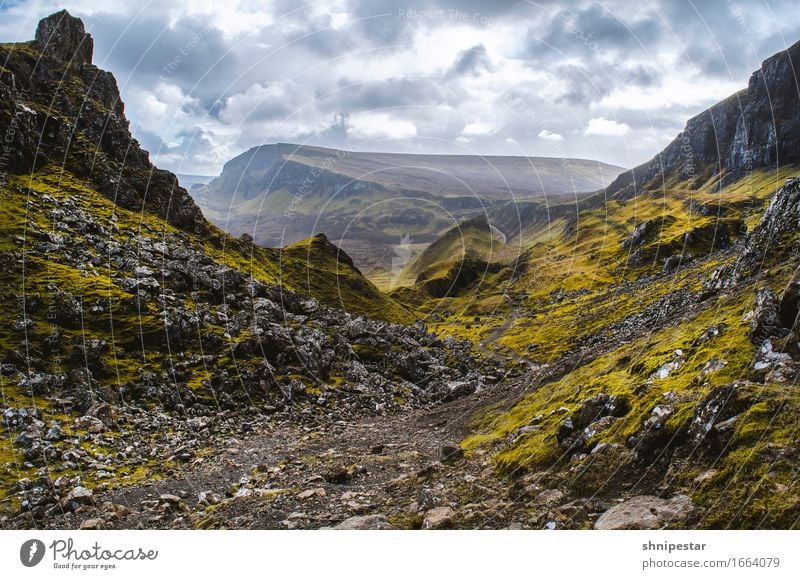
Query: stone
[[450, 453], [365, 523], [92, 525], [115, 511], [674, 262], [63, 36], [438, 518], [80, 494], [576, 511], [310, 493], [338, 475], [548, 497], [169, 502], [208, 498], [645, 512]]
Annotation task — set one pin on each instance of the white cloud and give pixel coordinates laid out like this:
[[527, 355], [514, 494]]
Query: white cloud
[[380, 126], [266, 70], [676, 90], [549, 136], [478, 129], [601, 126]]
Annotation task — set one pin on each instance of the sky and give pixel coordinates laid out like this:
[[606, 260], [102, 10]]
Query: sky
[[205, 80]]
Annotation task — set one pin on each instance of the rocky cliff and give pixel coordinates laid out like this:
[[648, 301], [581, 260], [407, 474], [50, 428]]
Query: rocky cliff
[[57, 108], [756, 127]]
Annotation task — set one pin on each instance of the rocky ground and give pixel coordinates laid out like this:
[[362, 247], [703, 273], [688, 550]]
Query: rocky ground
[[401, 471]]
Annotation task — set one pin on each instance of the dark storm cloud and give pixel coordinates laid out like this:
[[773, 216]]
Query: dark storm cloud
[[589, 84], [184, 51], [590, 32], [473, 61], [392, 92]]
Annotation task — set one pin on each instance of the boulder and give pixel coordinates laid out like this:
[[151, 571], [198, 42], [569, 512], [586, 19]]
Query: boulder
[[438, 518], [645, 512], [365, 523]]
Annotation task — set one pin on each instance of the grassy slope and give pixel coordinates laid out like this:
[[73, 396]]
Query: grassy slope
[[311, 266], [133, 337], [573, 285], [578, 285]]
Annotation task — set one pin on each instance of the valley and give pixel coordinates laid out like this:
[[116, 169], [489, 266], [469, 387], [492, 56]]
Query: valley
[[612, 350], [380, 206]]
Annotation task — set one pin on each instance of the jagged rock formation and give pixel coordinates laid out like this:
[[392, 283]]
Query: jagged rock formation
[[756, 127], [62, 36], [56, 107]]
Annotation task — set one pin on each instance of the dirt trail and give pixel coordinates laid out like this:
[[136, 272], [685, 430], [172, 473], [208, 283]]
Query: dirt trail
[[290, 476]]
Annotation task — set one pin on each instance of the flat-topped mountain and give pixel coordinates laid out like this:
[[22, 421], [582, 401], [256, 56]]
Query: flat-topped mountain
[[268, 167], [368, 202]]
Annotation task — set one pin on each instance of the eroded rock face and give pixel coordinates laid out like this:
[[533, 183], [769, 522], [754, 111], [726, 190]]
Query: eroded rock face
[[90, 128], [645, 512], [766, 319], [63, 36], [756, 127]]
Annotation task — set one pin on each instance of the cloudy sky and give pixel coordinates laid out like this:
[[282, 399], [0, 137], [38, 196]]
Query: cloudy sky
[[204, 80]]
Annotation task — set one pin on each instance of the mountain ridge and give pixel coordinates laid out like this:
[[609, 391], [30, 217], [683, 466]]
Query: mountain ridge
[[755, 127], [368, 202], [633, 364]]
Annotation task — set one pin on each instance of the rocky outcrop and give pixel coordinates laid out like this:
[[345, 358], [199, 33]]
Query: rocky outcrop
[[63, 36], [56, 107], [756, 127], [645, 513]]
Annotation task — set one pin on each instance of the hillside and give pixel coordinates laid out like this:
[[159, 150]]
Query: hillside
[[131, 321], [625, 361], [368, 202], [646, 315]]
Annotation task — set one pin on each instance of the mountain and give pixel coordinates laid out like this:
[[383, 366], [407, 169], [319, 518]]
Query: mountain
[[625, 361], [754, 128], [190, 182], [135, 332], [368, 202]]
